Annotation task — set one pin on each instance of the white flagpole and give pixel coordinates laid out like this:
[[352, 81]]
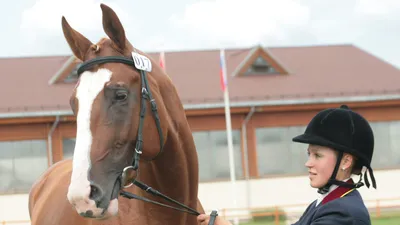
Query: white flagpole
[[229, 134]]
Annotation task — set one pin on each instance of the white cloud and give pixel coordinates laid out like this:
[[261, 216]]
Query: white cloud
[[45, 15], [40, 28], [375, 7], [369, 24], [156, 41], [241, 21]]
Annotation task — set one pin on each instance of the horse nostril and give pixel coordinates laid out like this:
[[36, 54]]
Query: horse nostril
[[88, 214], [95, 192]]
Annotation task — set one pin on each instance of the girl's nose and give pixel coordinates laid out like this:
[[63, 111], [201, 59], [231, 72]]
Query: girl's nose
[[308, 162]]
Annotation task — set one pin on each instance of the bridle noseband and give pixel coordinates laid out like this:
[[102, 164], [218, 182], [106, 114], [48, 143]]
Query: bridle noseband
[[146, 95]]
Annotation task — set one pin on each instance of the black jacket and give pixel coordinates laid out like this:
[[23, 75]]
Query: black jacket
[[343, 206]]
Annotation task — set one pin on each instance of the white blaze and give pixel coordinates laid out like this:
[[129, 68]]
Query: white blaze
[[90, 85]]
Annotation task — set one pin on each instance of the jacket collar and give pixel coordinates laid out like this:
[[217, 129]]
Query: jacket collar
[[334, 192]]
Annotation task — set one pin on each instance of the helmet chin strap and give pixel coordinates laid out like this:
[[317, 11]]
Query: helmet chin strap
[[332, 180]]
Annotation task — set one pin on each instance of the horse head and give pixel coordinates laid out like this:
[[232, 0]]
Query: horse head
[[113, 129]]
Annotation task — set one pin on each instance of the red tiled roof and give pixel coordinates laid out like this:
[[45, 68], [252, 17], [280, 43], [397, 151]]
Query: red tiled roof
[[313, 72], [24, 84]]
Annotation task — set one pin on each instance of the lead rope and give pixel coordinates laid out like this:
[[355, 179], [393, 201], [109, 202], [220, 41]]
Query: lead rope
[[154, 192]]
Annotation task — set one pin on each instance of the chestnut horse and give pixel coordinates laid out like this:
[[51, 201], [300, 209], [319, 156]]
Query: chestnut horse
[[131, 129]]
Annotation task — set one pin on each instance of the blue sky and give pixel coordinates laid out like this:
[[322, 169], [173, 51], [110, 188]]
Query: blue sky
[[33, 27]]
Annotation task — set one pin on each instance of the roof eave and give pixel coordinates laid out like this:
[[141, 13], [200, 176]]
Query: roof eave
[[341, 100], [345, 99], [10, 115]]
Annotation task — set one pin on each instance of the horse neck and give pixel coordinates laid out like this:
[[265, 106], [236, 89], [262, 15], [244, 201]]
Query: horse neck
[[175, 172]]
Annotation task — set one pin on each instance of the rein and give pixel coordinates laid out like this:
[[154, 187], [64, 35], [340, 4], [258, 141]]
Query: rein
[[146, 95]]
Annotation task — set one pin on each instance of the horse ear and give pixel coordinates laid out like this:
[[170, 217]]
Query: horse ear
[[113, 27], [78, 43]]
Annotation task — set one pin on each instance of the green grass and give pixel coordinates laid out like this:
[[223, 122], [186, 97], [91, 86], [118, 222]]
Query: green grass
[[386, 221]]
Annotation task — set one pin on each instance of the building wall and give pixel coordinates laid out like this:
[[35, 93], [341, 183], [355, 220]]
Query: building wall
[[275, 163], [291, 194]]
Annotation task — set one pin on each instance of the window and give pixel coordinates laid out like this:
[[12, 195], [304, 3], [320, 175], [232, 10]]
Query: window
[[277, 153], [260, 66], [68, 148], [213, 154], [387, 145], [212, 149], [21, 163]]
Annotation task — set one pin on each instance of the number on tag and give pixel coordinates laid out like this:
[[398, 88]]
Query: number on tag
[[141, 62]]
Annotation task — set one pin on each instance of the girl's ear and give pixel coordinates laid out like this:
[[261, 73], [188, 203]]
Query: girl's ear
[[347, 161]]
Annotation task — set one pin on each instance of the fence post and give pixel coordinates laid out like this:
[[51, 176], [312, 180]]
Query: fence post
[[276, 215], [378, 208]]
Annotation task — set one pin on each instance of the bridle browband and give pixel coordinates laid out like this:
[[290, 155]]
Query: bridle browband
[[146, 95]]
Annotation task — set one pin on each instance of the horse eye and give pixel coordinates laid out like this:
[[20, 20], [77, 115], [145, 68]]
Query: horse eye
[[121, 95]]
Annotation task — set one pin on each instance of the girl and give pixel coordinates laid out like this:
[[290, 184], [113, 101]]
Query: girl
[[340, 144]]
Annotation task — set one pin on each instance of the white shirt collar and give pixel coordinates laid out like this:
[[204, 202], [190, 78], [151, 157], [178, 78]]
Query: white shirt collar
[[331, 188]]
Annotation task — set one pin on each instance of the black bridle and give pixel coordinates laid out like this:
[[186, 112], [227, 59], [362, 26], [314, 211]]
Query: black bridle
[[146, 95]]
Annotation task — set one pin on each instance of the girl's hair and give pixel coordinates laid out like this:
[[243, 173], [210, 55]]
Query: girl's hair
[[356, 166]]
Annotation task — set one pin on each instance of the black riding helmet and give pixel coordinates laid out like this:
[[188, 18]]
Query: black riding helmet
[[344, 131]]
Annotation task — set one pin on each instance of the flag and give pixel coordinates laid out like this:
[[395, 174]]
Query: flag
[[222, 71], [224, 87], [162, 60]]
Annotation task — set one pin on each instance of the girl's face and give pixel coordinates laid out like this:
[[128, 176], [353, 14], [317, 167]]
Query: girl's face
[[321, 163]]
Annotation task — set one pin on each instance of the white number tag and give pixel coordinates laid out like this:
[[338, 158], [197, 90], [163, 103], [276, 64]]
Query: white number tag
[[141, 62]]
